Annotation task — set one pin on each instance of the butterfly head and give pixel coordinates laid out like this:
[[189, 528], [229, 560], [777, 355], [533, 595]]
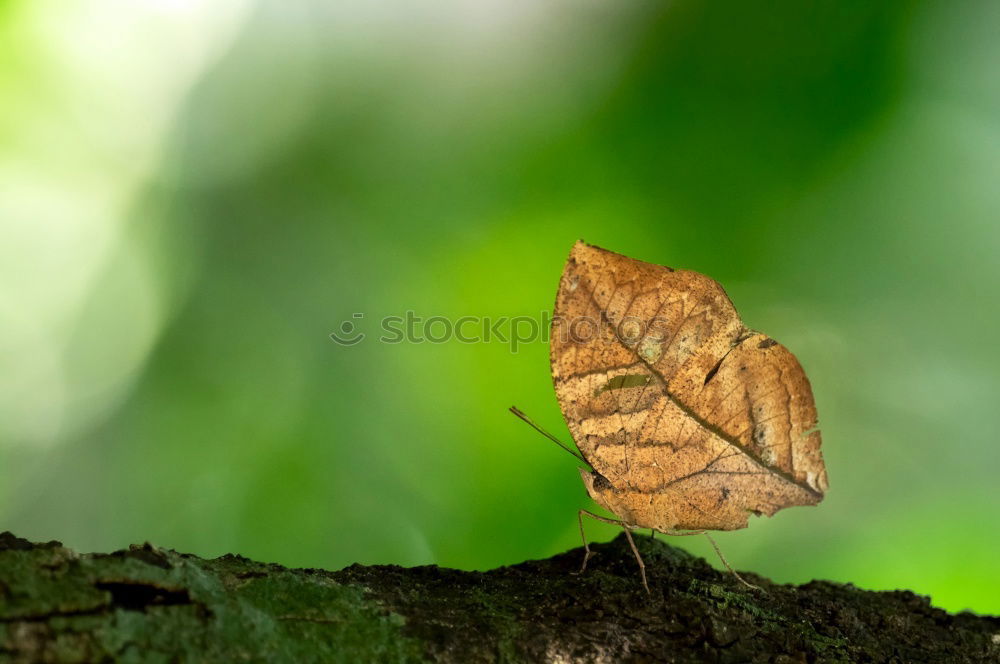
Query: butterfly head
[[605, 494]]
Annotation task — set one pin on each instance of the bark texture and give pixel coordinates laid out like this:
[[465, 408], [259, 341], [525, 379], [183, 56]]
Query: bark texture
[[148, 604]]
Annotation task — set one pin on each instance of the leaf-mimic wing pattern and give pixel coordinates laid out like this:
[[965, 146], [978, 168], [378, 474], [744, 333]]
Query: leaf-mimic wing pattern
[[689, 419]]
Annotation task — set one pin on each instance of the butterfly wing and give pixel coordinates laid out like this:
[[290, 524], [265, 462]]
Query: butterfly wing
[[695, 421]]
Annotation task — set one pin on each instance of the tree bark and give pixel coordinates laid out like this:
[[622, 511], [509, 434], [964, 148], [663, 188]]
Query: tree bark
[[149, 604]]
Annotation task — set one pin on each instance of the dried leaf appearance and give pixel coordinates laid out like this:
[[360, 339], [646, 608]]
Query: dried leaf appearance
[[690, 420]]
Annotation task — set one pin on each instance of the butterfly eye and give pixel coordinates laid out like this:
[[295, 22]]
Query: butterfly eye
[[601, 482]]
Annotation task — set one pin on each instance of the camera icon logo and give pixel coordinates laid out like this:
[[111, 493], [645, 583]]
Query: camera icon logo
[[348, 334]]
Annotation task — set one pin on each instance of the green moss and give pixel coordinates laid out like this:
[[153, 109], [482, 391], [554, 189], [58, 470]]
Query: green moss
[[744, 600], [150, 605]]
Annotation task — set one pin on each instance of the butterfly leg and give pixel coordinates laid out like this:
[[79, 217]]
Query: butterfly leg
[[642, 565], [628, 535], [718, 551], [726, 563], [586, 547], [587, 552]]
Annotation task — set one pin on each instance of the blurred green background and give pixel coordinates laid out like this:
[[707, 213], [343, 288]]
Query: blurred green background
[[194, 195]]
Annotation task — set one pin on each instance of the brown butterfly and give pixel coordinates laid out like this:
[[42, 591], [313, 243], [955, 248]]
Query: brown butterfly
[[688, 420]]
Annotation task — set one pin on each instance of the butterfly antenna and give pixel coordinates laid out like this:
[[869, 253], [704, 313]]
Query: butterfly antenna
[[516, 411]]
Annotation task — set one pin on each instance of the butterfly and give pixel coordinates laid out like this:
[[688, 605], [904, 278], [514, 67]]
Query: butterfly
[[687, 420]]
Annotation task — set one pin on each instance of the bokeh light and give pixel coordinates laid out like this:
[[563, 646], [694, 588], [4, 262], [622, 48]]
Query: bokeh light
[[195, 195]]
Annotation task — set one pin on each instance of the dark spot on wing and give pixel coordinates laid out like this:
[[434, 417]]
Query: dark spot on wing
[[714, 370], [759, 434], [767, 343]]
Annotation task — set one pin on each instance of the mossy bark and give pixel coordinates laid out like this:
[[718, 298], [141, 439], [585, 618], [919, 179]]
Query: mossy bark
[[151, 605]]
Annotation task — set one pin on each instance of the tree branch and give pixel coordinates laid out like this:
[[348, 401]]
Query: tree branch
[[151, 604]]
